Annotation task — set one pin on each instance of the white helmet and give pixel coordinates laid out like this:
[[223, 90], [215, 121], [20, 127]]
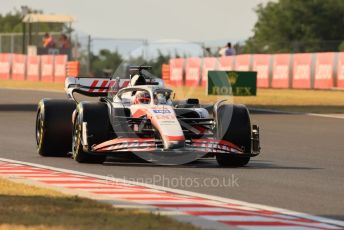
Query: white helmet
[[142, 98]]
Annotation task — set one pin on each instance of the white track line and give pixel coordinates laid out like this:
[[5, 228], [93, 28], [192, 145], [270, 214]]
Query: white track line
[[272, 111], [337, 116]]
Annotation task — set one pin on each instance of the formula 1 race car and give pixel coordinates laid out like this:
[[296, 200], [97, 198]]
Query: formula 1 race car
[[137, 115]]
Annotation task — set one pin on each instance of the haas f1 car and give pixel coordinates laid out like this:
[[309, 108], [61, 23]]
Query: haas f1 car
[[137, 115]]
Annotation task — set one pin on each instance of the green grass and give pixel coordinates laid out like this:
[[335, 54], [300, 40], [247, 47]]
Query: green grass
[[29, 207]]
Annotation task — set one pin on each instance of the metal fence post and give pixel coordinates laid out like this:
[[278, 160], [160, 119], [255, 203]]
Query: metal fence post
[[335, 70], [12, 43], [271, 66], [291, 69], [313, 66]]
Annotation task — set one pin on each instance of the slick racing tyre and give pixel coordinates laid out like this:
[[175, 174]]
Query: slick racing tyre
[[233, 125], [54, 127], [96, 119]]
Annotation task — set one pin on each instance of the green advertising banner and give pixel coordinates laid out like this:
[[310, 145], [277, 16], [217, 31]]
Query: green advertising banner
[[237, 83]]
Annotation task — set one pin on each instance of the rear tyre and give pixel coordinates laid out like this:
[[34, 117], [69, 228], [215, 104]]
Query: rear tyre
[[233, 125], [95, 115], [54, 127]]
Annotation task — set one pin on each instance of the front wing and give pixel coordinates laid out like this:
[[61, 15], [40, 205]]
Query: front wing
[[207, 145]]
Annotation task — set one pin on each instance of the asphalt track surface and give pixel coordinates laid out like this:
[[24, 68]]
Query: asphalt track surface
[[300, 168]]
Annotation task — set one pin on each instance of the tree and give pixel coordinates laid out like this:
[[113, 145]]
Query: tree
[[12, 22], [106, 61], [110, 62], [155, 63], [298, 26], [9, 21]]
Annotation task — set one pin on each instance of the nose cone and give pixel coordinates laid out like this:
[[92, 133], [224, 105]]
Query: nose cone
[[165, 121], [174, 144]]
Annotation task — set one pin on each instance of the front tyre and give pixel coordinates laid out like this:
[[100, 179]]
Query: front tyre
[[95, 115], [78, 152], [234, 125]]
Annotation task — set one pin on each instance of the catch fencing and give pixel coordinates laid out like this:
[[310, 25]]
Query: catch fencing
[[13, 42], [296, 71]]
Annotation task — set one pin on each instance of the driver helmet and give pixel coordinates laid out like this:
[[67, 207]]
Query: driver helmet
[[142, 98]]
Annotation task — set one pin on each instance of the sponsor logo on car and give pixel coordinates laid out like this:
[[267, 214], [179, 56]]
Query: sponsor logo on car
[[161, 111], [166, 117]]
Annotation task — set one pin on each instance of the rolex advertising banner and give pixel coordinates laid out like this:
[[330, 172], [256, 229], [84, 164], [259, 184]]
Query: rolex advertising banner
[[236, 83]]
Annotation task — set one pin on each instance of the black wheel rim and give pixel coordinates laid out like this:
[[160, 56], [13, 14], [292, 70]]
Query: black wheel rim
[[76, 137], [39, 128]]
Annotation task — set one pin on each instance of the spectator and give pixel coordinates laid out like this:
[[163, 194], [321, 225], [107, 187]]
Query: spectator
[[227, 51], [230, 51], [64, 42], [48, 41]]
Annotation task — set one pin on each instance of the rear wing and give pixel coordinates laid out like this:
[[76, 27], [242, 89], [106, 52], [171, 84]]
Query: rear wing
[[93, 87]]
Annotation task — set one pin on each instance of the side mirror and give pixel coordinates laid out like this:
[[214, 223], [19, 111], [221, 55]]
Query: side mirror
[[192, 101]]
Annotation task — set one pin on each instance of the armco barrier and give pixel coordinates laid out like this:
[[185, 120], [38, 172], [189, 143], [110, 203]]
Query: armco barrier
[[226, 63], [47, 68], [242, 62], [209, 63], [280, 71], [299, 71], [340, 70], [18, 67], [261, 64], [192, 71], [5, 66], [60, 62], [176, 68], [302, 71], [323, 74], [32, 68]]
